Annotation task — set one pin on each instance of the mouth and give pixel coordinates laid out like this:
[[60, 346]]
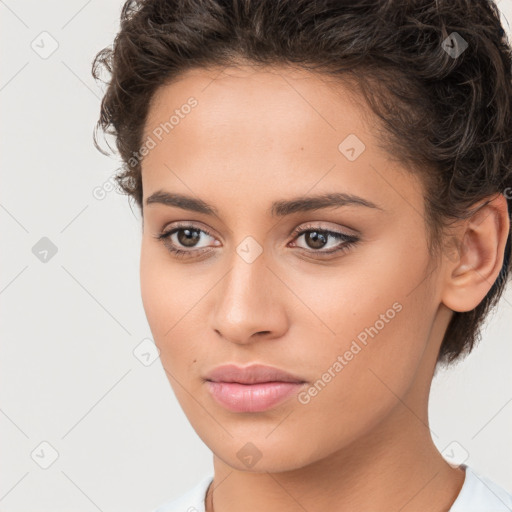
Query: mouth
[[253, 388], [256, 397]]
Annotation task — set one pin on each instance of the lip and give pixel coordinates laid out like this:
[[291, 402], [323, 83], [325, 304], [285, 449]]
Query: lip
[[253, 374], [251, 397], [252, 388]]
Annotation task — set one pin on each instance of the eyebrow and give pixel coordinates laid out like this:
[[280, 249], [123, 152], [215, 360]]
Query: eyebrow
[[279, 208]]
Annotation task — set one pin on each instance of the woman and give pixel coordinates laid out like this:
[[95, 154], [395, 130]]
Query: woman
[[325, 189]]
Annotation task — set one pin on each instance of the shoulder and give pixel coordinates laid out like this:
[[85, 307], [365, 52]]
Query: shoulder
[[480, 494], [191, 501]]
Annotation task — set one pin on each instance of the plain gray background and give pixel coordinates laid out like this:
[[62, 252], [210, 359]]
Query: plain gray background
[[71, 325]]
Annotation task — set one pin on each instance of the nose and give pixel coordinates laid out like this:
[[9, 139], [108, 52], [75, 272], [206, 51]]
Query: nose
[[250, 303]]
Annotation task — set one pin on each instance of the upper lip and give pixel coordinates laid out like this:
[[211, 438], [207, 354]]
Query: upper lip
[[252, 374]]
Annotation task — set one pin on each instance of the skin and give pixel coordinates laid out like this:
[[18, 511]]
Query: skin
[[259, 135]]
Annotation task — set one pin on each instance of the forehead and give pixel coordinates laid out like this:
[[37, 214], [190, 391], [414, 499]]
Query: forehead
[[258, 102], [261, 130]]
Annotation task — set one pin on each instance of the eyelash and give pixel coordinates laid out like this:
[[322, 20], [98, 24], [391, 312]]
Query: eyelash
[[350, 240]]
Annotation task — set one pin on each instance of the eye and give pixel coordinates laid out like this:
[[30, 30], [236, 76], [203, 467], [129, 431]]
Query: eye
[[187, 236], [317, 238]]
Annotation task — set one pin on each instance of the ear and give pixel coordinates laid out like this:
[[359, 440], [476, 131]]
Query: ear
[[474, 266]]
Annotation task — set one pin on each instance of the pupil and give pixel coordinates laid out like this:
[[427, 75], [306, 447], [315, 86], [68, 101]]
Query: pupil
[[190, 238], [315, 237]]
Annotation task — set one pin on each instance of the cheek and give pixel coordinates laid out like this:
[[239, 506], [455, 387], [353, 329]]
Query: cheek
[[172, 295], [380, 293], [164, 294], [376, 323], [169, 296], [363, 373], [155, 292], [167, 289]]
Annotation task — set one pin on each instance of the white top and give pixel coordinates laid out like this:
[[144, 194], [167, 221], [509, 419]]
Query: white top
[[478, 494]]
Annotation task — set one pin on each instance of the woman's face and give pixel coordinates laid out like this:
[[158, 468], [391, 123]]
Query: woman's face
[[355, 316]]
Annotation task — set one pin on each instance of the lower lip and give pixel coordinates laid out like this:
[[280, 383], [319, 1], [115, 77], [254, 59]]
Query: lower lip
[[251, 397]]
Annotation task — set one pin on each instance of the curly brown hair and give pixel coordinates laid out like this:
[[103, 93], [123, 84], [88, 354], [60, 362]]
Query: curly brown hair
[[436, 73]]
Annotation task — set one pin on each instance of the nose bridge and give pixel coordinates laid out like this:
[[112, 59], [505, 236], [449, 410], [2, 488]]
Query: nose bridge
[[244, 285], [246, 304]]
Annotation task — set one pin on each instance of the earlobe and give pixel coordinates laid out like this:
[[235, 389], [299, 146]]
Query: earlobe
[[476, 255]]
